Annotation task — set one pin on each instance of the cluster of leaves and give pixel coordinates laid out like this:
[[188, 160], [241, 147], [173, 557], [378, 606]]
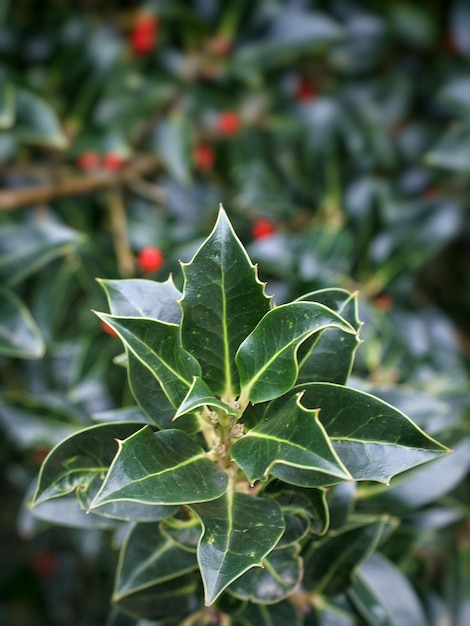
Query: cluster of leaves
[[336, 132], [247, 422]]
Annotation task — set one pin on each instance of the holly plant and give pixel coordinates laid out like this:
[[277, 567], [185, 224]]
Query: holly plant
[[232, 479]]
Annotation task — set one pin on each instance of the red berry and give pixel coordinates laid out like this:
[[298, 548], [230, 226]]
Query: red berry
[[204, 157], [383, 302], [107, 329], [228, 123], [150, 259], [143, 36], [88, 161], [306, 91], [112, 161], [263, 228]]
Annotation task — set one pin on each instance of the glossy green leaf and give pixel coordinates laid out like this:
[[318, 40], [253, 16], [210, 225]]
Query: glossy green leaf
[[336, 611], [151, 398], [292, 445], [239, 531], [139, 297], [20, 336], [330, 562], [170, 600], [267, 358], [278, 578], [173, 146], [156, 345], [166, 467], [384, 596], [148, 558], [297, 511], [374, 440], [223, 301], [67, 511], [75, 462], [184, 532], [265, 615], [199, 395], [133, 511], [329, 355], [422, 485], [26, 248], [291, 34], [36, 122]]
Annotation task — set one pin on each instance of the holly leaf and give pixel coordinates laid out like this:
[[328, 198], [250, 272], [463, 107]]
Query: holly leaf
[[75, 462], [278, 578], [267, 358], [199, 395], [330, 562], [329, 355], [20, 336], [156, 345], [264, 615], [139, 297], [384, 596], [374, 440], [166, 467], [239, 531], [151, 398], [223, 301], [291, 445], [148, 558]]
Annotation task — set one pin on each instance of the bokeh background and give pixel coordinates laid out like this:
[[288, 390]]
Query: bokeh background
[[337, 136]]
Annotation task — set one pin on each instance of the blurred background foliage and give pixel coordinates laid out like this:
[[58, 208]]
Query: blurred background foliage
[[337, 136]]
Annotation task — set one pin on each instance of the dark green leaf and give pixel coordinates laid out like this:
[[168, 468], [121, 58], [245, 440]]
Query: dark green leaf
[[384, 596], [152, 399], [166, 467], [185, 533], [453, 150], [374, 440], [169, 600], [267, 359], [330, 562], [36, 122], [173, 146], [156, 345], [291, 445], [239, 531], [278, 578], [138, 297], [223, 301], [20, 336], [75, 462], [199, 396], [329, 355], [148, 558], [423, 485], [134, 511], [26, 248], [261, 615]]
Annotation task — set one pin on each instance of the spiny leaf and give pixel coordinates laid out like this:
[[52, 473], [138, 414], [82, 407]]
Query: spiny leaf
[[200, 395], [166, 467], [267, 359], [139, 297], [156, 345], [75, 462], [291, 445], [276, 580], [149, 558], [374, 440], [222, 303], [239, 531]]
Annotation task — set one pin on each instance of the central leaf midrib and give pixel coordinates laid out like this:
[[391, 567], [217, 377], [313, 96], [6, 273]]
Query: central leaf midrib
[[298, 338], [228, 392]]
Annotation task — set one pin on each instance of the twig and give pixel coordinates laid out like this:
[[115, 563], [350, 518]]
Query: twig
[[118, 218], [12, 199]]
